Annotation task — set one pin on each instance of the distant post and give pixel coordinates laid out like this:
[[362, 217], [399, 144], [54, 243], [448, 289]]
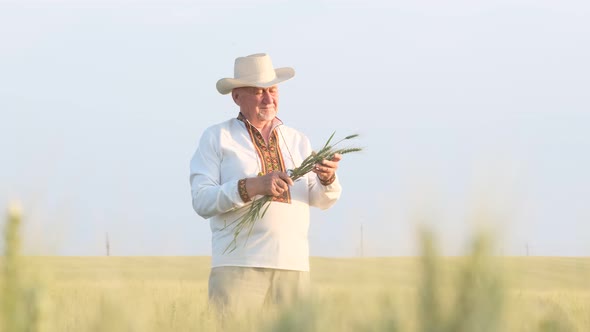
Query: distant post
[[108, 244]]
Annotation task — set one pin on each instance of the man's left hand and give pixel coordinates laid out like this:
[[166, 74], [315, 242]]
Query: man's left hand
[[327, 168]]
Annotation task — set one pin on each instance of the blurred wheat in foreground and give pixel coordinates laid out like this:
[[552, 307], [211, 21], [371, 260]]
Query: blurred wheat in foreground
[[477, 292]]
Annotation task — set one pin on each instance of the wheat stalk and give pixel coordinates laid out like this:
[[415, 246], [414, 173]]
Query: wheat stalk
[[257, 209]]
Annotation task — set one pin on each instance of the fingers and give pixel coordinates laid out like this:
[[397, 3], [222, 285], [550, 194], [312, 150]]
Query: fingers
[[328, 165], [279, 186], [323, 172], [332, 163], [323, 169], [277, 183], [285, 177], [326, 168], [337, 157]]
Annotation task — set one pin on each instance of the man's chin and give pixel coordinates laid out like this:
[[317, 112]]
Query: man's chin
[[267, 114]]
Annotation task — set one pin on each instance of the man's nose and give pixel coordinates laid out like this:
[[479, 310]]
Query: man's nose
[[266, 97]]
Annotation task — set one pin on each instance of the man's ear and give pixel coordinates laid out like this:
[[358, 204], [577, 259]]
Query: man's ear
[[234, 95]]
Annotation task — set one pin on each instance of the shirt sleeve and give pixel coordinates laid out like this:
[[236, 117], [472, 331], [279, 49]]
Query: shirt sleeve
[[321, 196], [210, 197]]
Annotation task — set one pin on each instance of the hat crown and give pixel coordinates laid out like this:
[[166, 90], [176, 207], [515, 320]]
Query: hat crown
[[255, 68]]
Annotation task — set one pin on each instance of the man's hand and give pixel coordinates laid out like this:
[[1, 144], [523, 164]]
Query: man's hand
[[326, 170], [271, 184]]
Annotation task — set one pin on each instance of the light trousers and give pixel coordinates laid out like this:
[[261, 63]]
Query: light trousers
[[235, 289]]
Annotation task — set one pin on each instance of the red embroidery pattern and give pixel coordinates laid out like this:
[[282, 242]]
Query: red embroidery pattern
[[242, 190], [270, 155], [329, 181]]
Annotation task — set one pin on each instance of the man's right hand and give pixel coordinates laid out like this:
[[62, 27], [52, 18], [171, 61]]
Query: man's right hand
[[271, 184]]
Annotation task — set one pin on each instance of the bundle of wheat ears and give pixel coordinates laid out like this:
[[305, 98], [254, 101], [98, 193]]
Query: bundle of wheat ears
[[258, 208]]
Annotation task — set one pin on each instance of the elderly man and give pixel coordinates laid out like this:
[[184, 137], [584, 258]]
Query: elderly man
[[244, 158]]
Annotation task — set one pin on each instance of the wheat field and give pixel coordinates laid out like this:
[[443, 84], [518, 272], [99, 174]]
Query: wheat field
[[428, 293], [357, 294]]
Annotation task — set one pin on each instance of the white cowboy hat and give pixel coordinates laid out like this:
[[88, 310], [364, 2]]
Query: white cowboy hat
[[254, 70]]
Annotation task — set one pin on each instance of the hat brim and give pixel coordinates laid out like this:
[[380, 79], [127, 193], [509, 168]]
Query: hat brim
[[225, 85]]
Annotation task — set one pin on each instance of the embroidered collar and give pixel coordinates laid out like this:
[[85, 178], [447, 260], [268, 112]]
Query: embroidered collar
[[275, 122], [269, 156]]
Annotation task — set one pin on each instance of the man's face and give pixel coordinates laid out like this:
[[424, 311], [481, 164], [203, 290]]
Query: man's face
[[257, 104]]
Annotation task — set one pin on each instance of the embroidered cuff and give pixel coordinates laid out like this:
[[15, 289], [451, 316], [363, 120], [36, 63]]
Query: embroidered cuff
[[329, 181], [242, 190]]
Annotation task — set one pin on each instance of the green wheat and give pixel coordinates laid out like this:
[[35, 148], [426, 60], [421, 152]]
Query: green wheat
[[257, 209]]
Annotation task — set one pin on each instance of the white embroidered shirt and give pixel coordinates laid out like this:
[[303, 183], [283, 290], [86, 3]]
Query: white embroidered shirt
[[234, 150]]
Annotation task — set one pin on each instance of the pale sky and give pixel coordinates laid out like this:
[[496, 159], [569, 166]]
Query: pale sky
[[460, 105]]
